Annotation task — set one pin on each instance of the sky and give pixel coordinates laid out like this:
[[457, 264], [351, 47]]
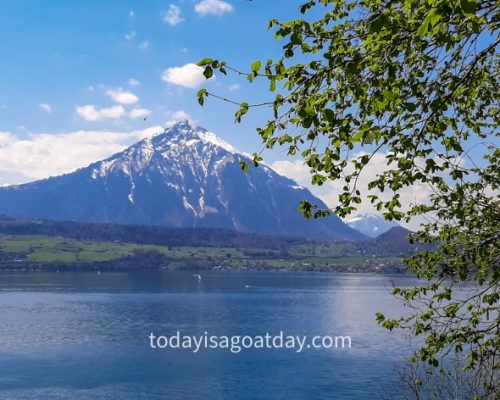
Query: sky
[[73, 69], [82, 79]]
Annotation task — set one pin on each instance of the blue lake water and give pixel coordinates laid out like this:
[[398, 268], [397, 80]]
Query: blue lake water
[[86, 336]]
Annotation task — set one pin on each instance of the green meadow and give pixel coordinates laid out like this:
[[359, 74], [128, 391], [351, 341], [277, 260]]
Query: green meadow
[[39, 249]]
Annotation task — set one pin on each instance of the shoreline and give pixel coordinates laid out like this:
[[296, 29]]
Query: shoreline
[[111, 267]]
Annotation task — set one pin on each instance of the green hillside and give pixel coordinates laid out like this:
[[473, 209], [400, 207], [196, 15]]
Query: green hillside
[[42, 252]]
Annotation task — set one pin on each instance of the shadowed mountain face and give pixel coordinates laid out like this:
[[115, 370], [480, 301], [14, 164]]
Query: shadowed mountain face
[[396, 240], [182, 177]]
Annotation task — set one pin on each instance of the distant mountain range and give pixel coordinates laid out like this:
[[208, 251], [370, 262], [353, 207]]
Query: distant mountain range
[[370, 225], [182, 177]]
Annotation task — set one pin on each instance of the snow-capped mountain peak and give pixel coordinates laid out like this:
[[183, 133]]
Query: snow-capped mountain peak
[[189, 133], [182, 141], [371, 225]]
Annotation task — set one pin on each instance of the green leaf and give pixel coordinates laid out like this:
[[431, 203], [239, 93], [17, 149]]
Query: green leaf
[[377, 22], [329, 115], [205, 61], [468, 6], [422, 31], [430, 24], [272, 84], [306, 209], [257, 159], [208, 72], [410, 107], [307, 122], [351, 68], [202, 93], [243, 166], [241, 111], [256, 67]]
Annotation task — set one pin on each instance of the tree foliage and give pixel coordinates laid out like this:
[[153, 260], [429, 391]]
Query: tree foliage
[[417, 80]]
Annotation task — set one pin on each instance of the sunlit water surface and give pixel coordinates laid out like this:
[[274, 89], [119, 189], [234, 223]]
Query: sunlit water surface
[[85, 336]]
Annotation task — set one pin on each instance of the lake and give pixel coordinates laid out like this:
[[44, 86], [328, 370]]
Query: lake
[[86, 336]]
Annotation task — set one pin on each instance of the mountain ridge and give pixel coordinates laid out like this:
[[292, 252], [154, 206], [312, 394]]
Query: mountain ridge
[[184, 176]]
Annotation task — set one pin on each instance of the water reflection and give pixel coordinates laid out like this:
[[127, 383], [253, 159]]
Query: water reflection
[[85, 335]]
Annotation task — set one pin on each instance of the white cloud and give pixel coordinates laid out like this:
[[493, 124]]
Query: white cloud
[[89, 112], [234, 87], [173, 15], [133, 82], [214, 7], [189, 75], [42, 155], [6, 138], [122, 96], [177, 116], [131, 14], [130, 35], [295, 170], [180, 115], [144, 45], [46, 107], [137, 113]]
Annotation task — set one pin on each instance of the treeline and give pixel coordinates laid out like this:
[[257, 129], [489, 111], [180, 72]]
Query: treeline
[[140, 234]]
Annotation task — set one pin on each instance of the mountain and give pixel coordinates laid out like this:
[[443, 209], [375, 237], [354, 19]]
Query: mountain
[[395, 240], [370, 225], [182, 177]]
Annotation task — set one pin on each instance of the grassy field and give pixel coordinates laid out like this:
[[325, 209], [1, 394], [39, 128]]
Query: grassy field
[[51, 249], [47, 249]]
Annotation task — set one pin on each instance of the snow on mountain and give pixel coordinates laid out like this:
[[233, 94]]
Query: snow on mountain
[[182, 177], [371, 225]]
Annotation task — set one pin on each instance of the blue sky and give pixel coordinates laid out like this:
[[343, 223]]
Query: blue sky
[[77, 78], [57, 56]]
